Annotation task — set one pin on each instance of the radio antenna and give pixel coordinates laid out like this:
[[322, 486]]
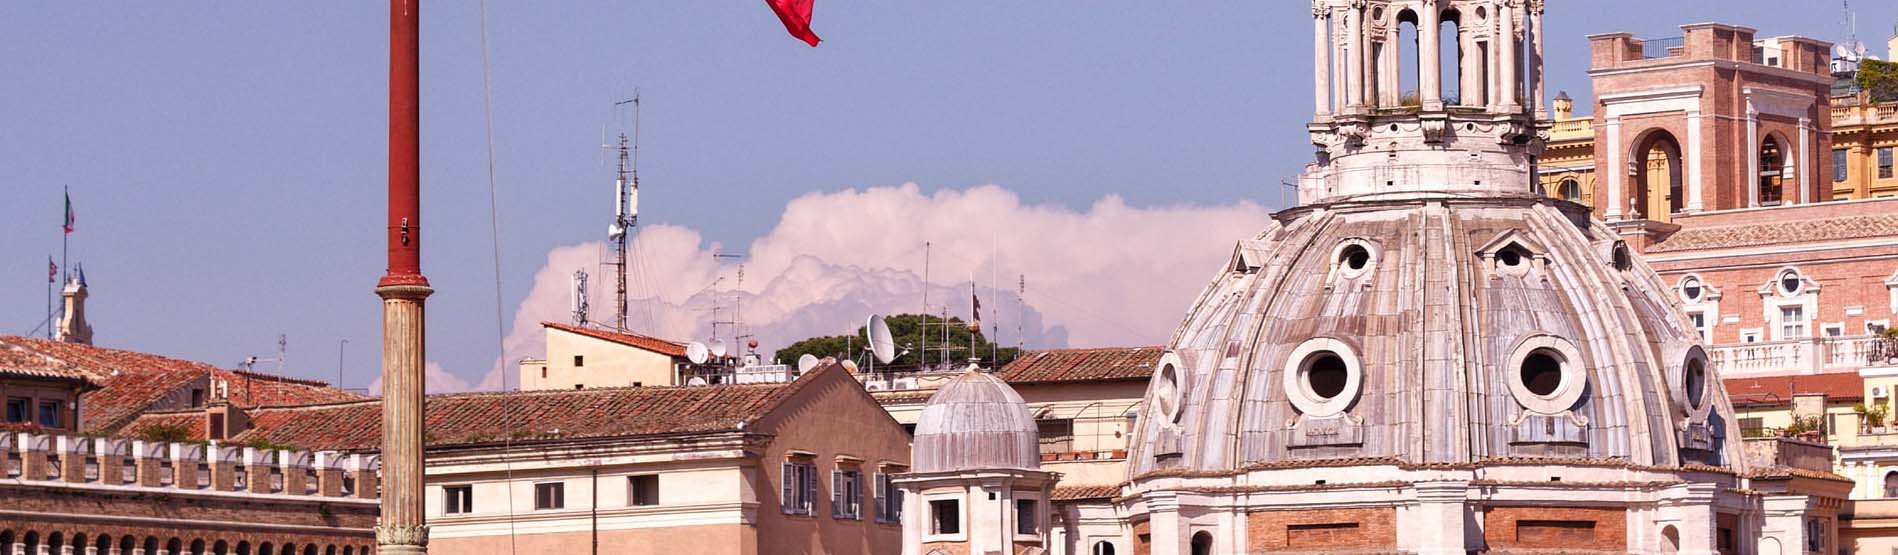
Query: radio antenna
[[625, 210]]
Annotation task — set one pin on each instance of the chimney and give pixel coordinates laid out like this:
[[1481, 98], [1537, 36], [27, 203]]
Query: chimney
[[73, 327]]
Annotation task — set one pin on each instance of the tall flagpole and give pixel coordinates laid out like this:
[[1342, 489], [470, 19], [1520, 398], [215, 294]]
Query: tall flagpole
[[49, 298], [65, 231]]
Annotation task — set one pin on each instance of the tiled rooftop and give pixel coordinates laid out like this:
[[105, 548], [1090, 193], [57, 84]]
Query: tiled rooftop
[[1780, 233], [477, 418], [1779, 390], [132, 382], [654, 344], [1075, 365], [22, 363]]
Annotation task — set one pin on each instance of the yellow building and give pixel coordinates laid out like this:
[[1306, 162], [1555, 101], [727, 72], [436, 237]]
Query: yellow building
[[580, 357], [1864, 138], [1566, 168]]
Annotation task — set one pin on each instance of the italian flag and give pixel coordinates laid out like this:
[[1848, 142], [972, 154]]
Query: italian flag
[[69, 216]]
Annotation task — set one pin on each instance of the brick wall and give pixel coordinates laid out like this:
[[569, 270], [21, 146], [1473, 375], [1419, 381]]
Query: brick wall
[[1309, 530], [1555, 527], [139, 517]]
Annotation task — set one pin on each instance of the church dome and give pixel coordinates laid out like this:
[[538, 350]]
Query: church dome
[[975, 421], [1422, 329]]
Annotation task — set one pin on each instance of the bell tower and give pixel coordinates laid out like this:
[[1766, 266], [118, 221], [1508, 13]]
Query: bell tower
[[1392, 119]]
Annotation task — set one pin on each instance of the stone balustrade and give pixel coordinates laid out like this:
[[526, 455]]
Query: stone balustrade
[[1798, 356], [213, 466]]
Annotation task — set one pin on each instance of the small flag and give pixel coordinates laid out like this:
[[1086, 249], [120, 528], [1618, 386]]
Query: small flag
[[69, 214], [976, 314], [796, 15], [52, 270]]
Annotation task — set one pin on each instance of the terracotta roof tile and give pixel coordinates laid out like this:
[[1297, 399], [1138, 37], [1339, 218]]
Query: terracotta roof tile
[[1076, 365], [132, 382], [1071, 493], [654, 344], [476, 418], [1779, 390], [1780, 233], [16, 361]]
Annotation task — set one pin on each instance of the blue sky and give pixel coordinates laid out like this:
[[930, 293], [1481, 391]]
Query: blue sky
[[227, 159]]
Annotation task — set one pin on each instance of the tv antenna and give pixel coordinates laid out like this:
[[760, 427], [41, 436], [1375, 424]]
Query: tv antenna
[[625, 209], [578, 299], [250, 363]]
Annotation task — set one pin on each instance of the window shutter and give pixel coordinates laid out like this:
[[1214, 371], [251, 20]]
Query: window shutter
[[837, 494], [810, 488], [788, 498], [856, 494], [882, 488]]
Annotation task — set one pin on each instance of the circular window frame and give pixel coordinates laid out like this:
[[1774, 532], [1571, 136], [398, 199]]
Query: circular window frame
[[1699, 285], [1798, 279], [1678, 383], [1567, 357], [1167, 387], [1344, 269], [1298, 390]]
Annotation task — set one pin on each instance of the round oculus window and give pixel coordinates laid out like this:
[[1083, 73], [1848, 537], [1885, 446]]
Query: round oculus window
[[1545, 374], [1354, 257], [1789, 282], [1690, 289], [1166, 388], [1322, 377], [1694, 381]]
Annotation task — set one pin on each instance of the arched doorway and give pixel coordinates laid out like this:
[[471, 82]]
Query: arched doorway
[[1670, 539], [1657, 178], [1772, 171], [1202, 543]]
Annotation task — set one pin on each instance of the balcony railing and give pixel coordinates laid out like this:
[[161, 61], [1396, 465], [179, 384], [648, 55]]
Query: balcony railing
[[1803, 356]]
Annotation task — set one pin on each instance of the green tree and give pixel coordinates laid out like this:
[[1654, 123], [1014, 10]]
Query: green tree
[[1879, 79], [907, 330]]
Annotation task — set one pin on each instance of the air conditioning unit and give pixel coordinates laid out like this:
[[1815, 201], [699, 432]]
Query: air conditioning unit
[[1878, 391], [873, 386]]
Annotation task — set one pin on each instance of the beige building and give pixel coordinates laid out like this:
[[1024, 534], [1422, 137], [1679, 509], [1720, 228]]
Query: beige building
[[579, 357], [798, 467]]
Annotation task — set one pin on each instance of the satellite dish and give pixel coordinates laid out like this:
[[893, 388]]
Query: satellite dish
[[881, 344], [1841, 51], [806, 363], [695, 381], [718, 348], [850, 366], [696, 352]]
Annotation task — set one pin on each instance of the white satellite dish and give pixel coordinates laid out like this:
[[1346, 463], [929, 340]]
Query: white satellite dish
[[697, 353], [850, 366], [718, 348], [806, 362], [881, 344], [695, 381]]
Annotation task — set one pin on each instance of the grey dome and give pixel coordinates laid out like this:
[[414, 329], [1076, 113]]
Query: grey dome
[[1434, 329], [975, 421]]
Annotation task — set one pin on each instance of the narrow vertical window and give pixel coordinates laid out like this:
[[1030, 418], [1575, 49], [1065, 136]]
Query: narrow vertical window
[[1840, 167], [49, 414], [1884, 163], [1792, 322], [16, 410], [1026, 520], [550, 496]]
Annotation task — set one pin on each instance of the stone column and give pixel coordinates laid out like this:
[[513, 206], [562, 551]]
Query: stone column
[[1535, 60], [402, 529], [1752, 153], [1805, 160], [1692, 159], [1354, 31], [1469, 65], [1321, 72], [1167, 531], [1439, 515], [1614, 168], [1430, 57], [1506, 49], [1340, 71]]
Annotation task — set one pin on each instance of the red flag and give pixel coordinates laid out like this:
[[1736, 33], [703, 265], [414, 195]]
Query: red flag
[[796, 15]]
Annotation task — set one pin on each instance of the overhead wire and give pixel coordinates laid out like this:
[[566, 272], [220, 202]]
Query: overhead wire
[[494, 236]]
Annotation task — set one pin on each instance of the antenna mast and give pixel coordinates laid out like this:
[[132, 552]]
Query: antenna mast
[[625, 210]]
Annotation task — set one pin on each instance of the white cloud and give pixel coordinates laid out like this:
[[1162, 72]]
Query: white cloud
[[436, 379], [1108, 275]]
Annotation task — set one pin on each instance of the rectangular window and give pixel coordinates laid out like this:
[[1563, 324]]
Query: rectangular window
[[1832, 330], [846, 494], [550, 496], [1057, 435], [197, 398], [1884, 163], [1839, 166], [458, 499], [1792, 322], [579, 361], [889, 500], [1025, 517], [49, 414], [16, 409], [945, 516], [799, 490], [1752, 427], [642, 491]]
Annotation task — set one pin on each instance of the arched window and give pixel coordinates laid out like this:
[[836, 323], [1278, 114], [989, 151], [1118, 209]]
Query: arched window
[[1772, 162], [1202, 543], [1101, 548], [1408, 46], [1570, 190], [1657, 180], [1891, 484], [1449, 56]]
